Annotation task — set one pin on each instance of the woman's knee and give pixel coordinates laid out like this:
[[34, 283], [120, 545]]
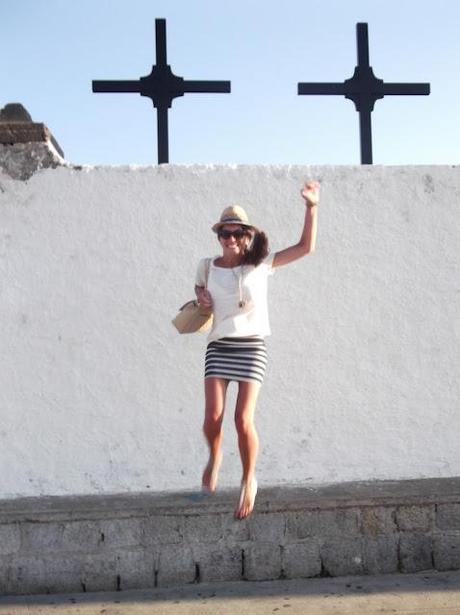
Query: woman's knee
[[212, 423], [244, 424]]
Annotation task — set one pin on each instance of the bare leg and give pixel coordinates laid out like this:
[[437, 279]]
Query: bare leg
[[248, 443], [215, 390]]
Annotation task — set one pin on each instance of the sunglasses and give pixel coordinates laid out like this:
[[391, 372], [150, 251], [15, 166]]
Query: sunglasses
[[227, 234]]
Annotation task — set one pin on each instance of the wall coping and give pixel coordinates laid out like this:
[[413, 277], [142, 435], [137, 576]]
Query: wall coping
[[270, 499]]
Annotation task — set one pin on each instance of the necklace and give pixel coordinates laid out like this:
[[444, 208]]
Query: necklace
[[239, 278]]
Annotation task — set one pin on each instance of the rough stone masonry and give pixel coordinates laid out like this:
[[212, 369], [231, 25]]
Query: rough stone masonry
[[94, 543]]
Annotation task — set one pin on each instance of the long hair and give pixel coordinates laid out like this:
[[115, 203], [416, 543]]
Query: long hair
[[257, 250]]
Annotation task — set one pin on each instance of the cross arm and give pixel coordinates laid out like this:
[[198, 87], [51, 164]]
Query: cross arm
[[116, 86], [422, 89], [320, 88], [222, 87]]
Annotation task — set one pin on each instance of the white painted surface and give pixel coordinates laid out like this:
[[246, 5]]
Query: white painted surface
[[98, 393]]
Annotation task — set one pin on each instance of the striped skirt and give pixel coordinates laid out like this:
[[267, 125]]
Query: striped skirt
[[236, 358]]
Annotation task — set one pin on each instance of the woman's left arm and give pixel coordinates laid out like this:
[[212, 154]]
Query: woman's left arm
[[307, 241]]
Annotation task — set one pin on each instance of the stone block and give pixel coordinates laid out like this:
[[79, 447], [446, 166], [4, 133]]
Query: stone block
[[415, 518], [301, 559], [216, 563], [81, 536], [377, 520], [163, 530], [203, 528], [235, 531], [175, 565], [323, 523], [448, 516], [380, 553], [39, 538], [342, 556], [22, 160], [262, 561], [301, 525], [100, 572], [10, 538], [135, 569], [49, 574], [268, 527], [116, 533], [339, 522], [4, 577], [446, 551], [415, 552]]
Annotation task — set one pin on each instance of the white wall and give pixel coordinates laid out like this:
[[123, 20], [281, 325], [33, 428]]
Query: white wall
[[98, 393]]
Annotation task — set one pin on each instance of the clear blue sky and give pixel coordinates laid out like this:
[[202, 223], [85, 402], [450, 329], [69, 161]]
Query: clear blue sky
[[52, 49]]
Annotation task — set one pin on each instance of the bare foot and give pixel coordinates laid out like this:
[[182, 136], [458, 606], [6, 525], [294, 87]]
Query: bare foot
[[247, 498], [211, 473]]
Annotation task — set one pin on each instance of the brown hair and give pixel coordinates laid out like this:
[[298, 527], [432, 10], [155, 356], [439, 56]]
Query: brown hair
[[258, 249]]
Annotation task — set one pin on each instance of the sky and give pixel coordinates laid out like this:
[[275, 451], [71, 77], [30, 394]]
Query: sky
[[51, 50]]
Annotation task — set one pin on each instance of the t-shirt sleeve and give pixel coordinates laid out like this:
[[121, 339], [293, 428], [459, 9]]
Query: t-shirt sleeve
[[200, 278]]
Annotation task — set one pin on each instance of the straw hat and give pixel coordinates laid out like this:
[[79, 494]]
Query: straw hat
[[233, 215]]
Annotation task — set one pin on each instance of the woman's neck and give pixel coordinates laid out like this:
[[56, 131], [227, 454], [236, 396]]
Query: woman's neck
[[230, 261]]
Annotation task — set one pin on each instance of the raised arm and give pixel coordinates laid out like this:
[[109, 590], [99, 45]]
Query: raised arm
[[307, 241]]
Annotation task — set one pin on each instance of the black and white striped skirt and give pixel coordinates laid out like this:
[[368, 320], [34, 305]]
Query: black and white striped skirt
[[236, 358]]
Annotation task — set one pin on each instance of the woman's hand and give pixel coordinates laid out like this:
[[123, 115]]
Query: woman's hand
[[204, 297], [310, 192]]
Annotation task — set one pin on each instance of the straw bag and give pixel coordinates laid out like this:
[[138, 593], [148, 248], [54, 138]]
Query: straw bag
[[192, 317]]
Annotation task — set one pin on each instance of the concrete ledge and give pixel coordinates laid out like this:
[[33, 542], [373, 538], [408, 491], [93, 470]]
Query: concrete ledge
[[133, 541]]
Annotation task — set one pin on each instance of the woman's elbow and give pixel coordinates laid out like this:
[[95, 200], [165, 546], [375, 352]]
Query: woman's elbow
[[306, 249]]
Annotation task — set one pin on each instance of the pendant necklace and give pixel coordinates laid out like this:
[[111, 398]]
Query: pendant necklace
[[239, 278]]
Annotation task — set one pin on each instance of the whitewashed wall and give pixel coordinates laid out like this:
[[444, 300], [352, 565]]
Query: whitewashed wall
[[99, 394]]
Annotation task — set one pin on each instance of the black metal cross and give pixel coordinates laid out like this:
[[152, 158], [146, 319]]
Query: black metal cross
[[364, 89], [162, 86]]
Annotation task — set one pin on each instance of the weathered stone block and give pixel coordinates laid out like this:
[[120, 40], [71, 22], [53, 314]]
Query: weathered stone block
[[100, 572], [323, 523], [448, 516], [175, 565], [415, 552], [377, 520], [163, 530], [301, 559], [41, 575], [10, 538], [446, 551], [380, 554], [415, 518], [262, 562], [22, 160], [135, 569], [4, 577], [339, 522], [121, 532], [235, 531], [39, 538], [203, 528], [218, 563], [301, 525], [269, 527], [81, 536], [342, 556]]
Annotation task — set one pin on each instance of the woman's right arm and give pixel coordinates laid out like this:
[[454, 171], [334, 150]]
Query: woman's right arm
[[203, 296]]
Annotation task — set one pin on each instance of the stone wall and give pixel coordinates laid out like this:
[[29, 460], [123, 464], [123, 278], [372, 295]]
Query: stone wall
[[92, 543]]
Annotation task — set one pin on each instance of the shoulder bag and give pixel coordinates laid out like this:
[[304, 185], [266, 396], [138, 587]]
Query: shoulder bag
[[192, 317]]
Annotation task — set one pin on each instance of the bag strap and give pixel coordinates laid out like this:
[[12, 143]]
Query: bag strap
[[208, 266]]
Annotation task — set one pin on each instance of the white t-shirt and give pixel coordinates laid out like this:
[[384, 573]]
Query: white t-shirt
[[226, 286]]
